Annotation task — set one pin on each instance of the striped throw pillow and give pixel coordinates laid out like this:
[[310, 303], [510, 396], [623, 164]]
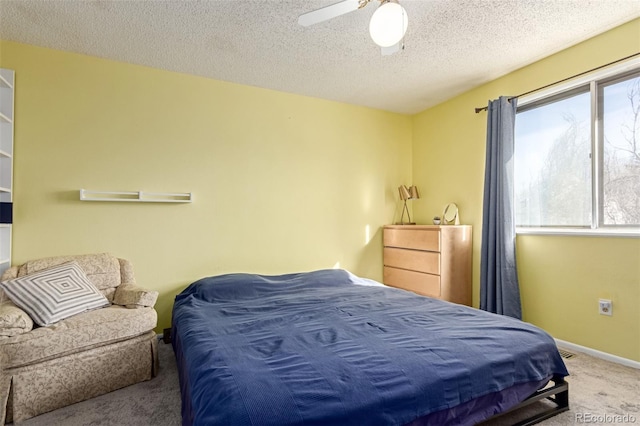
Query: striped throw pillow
[[54, 294]]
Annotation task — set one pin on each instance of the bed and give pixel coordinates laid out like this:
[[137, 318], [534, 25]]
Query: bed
[[327, 347]]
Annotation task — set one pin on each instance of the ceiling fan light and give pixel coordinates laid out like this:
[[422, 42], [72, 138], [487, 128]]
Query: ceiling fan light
[[388, 24]]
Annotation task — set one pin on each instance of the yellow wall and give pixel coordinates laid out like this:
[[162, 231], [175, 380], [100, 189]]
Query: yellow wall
[[282, 183], [561, 278]]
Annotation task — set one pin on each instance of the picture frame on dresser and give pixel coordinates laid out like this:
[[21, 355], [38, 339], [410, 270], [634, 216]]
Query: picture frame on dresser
[[431, 260]]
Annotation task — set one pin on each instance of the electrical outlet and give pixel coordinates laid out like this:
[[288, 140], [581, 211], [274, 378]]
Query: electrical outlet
[[605, 307]]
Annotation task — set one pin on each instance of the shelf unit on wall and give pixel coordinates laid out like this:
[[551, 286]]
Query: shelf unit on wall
[[136, 196], [7, 79]]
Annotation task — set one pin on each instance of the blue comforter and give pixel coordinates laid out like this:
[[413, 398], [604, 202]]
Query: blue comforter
[[316, 348]]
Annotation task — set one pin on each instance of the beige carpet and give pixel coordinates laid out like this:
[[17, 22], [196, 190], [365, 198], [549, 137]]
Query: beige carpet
[[598, 390]]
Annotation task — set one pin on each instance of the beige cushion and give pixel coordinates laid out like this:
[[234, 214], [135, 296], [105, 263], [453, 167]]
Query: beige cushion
[[126, 272], [132, 296], [80, 332], [13, 320], [102, 269], [8, 274]]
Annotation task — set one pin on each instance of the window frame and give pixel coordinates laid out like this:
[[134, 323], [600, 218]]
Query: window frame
[[593, 83]]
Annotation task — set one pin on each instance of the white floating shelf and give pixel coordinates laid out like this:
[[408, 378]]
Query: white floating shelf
[[3, 189], [5, 118], [5, 154], [136, 196]]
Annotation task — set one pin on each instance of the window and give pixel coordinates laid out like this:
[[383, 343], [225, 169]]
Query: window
[[577, 157], [620, 118]]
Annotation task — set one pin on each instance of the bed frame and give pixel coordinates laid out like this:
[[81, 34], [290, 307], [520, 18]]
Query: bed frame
[[558, 393]]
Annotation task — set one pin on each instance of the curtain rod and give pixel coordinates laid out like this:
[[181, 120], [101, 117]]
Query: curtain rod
[[565, 79]]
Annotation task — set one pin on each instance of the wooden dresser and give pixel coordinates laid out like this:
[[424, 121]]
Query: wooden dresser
[[431, 260]]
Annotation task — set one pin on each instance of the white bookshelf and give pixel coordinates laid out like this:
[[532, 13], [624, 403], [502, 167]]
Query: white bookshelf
[[7, 80], [5, 249]]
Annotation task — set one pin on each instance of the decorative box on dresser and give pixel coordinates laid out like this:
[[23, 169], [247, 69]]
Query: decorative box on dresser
[[431, 260]]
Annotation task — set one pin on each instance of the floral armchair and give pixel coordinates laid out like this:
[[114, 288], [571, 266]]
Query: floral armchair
[[104, 341]]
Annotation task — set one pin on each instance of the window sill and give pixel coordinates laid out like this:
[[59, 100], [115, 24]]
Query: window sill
[[583, 232]]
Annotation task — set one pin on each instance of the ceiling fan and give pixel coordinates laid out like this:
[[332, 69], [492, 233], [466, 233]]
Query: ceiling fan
[[387, 27]]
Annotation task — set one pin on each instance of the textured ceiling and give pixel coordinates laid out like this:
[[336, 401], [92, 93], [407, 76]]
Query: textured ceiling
[[451, 45]]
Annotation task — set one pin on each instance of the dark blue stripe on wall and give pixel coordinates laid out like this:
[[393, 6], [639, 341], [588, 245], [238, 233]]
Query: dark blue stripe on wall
[[6, 212]]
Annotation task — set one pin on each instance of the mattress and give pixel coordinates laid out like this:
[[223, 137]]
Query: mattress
[[327, 347]]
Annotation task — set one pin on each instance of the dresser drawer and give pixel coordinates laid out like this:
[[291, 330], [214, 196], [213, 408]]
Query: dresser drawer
[[425, 284], [414, 260], [422, 239]]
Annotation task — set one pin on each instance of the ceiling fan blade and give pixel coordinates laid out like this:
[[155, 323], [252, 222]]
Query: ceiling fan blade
[[328, 12]]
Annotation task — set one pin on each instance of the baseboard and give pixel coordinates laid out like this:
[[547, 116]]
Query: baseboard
[[598, 354]]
